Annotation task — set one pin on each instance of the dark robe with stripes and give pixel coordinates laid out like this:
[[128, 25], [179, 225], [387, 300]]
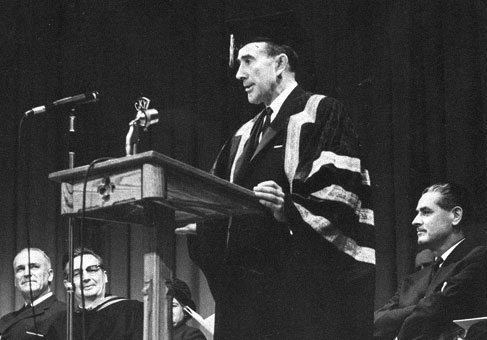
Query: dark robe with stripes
[[309, 278]]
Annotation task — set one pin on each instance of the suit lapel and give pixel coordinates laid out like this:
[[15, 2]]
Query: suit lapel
[[280, 122], [243, 162], [444, 271], [15, 318], [459, 252], [27, 313]]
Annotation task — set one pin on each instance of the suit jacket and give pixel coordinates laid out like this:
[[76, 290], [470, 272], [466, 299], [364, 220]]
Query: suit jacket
[[274, 280], [425, 304], [15, 325]]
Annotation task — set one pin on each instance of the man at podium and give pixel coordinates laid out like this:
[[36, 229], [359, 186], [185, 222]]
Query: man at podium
[[305, 270]]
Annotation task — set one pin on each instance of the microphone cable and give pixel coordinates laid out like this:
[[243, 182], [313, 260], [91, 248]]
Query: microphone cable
[[23, 171], [23, 167], [82, 227]]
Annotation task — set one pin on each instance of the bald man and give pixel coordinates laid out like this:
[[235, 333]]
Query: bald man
[[33, 277]]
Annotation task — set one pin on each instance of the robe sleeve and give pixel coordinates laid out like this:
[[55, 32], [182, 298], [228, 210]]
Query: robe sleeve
[[329, 187]]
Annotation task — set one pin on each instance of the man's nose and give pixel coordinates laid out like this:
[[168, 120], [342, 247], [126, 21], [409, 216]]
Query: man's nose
[[240, 74], [417, 221]]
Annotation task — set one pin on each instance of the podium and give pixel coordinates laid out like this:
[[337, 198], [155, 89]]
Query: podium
[[154, 190]]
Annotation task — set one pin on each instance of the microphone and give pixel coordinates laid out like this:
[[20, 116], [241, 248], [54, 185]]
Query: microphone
[[145, 116], [74, 100]]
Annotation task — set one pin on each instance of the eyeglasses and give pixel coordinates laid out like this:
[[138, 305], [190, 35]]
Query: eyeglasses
[[90, 270]]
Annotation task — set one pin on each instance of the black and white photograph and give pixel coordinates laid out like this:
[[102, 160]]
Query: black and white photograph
[[243, 170]]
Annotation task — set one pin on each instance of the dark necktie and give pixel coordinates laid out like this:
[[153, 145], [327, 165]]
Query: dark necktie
[[263, 125], [267, 121], [436, 266]]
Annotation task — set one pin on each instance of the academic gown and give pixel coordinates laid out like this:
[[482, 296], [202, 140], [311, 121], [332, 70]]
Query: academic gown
[[273, 280], [116, 319]]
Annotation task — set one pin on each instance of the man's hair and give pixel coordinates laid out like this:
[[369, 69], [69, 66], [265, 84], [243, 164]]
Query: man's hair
[[274, 49], [453, 195], [40, 251], [83, 251]]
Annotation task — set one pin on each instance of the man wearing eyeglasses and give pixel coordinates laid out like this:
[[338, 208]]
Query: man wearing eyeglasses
[[99, 316], [33, 277]]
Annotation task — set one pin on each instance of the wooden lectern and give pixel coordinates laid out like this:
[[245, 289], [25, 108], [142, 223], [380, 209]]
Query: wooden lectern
[[154, 190]]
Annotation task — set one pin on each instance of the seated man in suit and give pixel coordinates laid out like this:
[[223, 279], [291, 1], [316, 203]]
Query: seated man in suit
[[453, 287], [33, 276]]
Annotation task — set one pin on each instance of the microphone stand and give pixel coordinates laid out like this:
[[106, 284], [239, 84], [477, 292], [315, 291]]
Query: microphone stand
[[69, 284], [132, 138]]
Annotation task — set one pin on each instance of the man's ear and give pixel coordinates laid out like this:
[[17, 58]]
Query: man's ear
[[457, 215], [281, 63], [51, 276]]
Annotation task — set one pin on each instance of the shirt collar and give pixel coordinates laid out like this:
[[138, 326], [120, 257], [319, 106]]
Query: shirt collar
[[277, 103], [40, 299], [448, 252]]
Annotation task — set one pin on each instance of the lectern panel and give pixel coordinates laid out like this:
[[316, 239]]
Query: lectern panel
[[119, 189]]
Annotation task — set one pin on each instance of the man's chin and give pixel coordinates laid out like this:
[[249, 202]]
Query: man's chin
[[26, 293], [89, 293], [252, 99]]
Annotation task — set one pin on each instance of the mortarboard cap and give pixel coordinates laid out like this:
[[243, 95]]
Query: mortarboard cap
[[281, 28]]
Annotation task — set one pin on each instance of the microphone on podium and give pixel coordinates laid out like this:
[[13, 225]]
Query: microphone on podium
[[84, 98], [145, 117]]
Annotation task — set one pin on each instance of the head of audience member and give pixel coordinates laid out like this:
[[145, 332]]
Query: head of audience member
[[443, 213], [424, 258], [181, 298], [89, 277], [33, 273]]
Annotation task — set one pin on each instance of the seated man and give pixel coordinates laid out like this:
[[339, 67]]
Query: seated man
[[33, 276], [98, 316], [182, 298], [453, 287]]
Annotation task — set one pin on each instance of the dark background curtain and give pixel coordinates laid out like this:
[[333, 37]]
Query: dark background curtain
[[412, 74]]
